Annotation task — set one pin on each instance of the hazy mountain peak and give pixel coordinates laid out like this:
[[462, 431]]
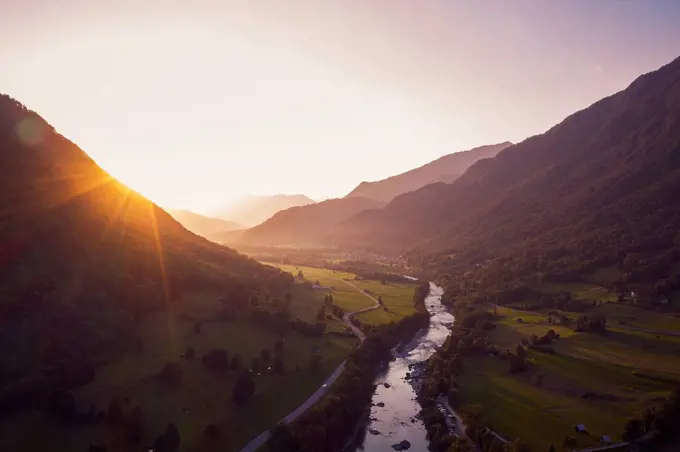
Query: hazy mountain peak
[[255, 209], [445, 169]]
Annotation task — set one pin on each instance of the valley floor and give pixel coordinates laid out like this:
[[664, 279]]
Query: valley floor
[[600, 381], [204, 397]]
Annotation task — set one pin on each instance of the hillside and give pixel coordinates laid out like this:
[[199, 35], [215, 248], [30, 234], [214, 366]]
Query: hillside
[[593, 190], [306, 225], [204, 226], [83, 258], [445, 169], [253, 210]]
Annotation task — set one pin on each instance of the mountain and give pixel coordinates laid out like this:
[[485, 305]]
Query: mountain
[[310, 224], [445, 169], [306, 225], [83, 258], [204, 226], [253, 210], [598, 188]]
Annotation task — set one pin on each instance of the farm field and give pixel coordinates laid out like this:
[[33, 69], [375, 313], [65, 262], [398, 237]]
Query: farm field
[[397, 297], [627, 371], [202, 398]]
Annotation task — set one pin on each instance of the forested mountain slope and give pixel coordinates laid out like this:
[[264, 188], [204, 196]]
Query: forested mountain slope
[[83, 258], [306, 224], [600, 186], [445, 169]]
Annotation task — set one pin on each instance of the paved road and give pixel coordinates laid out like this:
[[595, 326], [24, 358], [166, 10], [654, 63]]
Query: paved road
[[348, 317], [262, 438]]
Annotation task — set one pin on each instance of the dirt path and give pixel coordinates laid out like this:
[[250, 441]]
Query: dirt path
[[262, 438]]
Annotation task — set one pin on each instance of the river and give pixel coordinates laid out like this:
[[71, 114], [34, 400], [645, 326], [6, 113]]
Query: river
[[397, 419]]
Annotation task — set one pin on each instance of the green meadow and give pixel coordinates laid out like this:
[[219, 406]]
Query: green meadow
[[628, 370], [202, 398]]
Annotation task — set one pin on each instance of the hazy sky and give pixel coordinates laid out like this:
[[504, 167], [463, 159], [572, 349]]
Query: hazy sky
[[194, 103]]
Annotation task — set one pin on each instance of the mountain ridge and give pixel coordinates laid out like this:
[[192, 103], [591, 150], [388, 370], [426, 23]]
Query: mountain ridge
[[582, 192], [253, 210], [445, 169], [83, 257], [305, 224], [203, 225]]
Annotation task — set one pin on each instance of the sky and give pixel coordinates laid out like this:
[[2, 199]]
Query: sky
[[198, 103]]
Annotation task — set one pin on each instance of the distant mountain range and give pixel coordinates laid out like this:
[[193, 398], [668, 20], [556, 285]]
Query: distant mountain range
[[445, 169], [204, 226], [253, 210], [304, 224], [309, 225]]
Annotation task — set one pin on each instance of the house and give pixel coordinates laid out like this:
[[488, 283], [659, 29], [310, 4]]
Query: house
[[580, 428]]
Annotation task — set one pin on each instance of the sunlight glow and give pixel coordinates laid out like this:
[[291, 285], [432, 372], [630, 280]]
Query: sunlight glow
[[169, 302], [196, 104]]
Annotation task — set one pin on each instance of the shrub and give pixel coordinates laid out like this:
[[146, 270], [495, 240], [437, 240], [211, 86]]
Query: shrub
[[171, 374]]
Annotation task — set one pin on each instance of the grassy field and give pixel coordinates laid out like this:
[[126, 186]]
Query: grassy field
[[632, 369], [397, 297], [581, 291], [344, 295], [201, 399]]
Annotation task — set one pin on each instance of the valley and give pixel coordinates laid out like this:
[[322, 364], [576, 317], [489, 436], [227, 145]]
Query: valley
[[425, 226]]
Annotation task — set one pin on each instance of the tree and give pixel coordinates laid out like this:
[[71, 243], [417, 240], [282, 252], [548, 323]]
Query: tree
[[216, 360], [169, 441], [633, 430], [256, 365], [244, 388], [172, 436], [518, 361], [62, 405], [171, 374], [287, 300], [278, 366], [278, 346], [236, 361], [136, 424], [115, 411], [315, 363], [300, 275], [321, 315], [212, 431]]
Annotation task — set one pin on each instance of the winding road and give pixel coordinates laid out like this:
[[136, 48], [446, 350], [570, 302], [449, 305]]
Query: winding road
[[262, 438]]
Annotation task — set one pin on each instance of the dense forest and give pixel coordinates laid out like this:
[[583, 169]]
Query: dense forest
[[599, 189], [83, 258]]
